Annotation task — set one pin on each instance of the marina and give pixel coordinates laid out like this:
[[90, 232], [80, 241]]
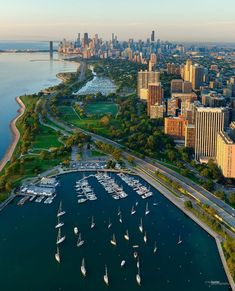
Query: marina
[[145, 252]]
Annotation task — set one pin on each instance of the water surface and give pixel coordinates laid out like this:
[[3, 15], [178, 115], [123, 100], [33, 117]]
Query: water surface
[[28, 236]]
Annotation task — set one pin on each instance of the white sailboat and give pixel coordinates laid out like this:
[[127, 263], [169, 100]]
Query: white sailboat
[[75, 230], [92, 222], [119, 211], [59, 223], [145, 237], [80, 242], [113, 240], [83, 268], [126, 235], [57, 255], [138, 263], [141, 225], [110, 223], [123, 263], [136, 203], [60, 238], [106, 278], [147, 209], [133, 211], [179, 241], [155, 248], [120, 218], [138, 278], [60, 211]]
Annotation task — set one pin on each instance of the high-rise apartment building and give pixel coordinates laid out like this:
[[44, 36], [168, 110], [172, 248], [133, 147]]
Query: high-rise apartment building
[[155, 95], [197, 76], [144, 79], [225, 154], [175, 127], [180, 86], [208, 123]]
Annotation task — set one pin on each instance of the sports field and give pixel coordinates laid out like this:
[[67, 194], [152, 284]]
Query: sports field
[[101, 108]]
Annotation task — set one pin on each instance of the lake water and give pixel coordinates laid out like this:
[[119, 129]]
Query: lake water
[[28, 236], [24, 73], [98, 84]]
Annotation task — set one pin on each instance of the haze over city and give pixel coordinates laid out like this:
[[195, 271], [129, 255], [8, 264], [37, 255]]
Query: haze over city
[[43, 20]]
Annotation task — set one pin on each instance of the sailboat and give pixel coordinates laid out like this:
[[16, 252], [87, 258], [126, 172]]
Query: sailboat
[[155, 248], [83, 268], [147, 209], [141, 225], [120, 218], [57, 255], [179, 241], [119, 211], [75, 230], [123, 263], [80, 242], [59, 224], [138, 278], [145, 237], [113, 240], [60, 238], [126, 235], [138, 263], [60, 211], [92, 222], [133, 211], [106, 278], [110, 223], [136, 203]]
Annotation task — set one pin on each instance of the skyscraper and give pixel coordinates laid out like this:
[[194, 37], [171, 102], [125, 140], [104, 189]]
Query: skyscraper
[[144, 79], [51, 48], [209, 122], [86, 39], [153, 36], [197, 76], [155, 95]]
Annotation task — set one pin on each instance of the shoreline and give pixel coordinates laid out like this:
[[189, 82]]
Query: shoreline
[[15, 135]]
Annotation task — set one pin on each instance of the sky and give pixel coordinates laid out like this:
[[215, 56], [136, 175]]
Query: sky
[[173, 20]]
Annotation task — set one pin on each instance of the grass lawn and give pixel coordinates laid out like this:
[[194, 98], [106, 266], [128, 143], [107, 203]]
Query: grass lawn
[[95, 153], [89, 124], [101, 108], [46, 138]]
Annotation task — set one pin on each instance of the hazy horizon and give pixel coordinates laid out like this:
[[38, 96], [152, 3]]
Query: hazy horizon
[[201, 21]]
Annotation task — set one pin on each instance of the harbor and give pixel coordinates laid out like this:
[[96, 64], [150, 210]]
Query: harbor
[[133, 241]]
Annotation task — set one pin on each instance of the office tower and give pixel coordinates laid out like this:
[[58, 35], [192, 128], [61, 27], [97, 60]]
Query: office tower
[[113, 37], [175, 127], [144, 79], [225, 154], [187, 70], [208, 122], [86, 39], [51, 48], [155, 95], [153, 36], [197, 76]]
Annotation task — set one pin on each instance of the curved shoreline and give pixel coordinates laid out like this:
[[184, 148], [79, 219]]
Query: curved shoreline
[[15, 135]]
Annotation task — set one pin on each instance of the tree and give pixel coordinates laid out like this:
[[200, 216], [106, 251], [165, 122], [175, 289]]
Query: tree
[[231, 198], [188, 204], [105, 120]]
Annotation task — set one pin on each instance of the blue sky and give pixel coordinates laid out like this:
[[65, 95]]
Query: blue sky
[[199, 20]]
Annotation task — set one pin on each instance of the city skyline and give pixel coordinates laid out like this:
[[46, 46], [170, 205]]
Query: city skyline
[[207, 21]]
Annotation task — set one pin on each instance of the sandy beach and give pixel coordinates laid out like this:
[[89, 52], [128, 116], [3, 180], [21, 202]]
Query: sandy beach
[[15, 135]]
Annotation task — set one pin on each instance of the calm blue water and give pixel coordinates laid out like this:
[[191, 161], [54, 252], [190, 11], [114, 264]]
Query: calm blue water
[[20, 74], [28, 236], [26, 45]]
